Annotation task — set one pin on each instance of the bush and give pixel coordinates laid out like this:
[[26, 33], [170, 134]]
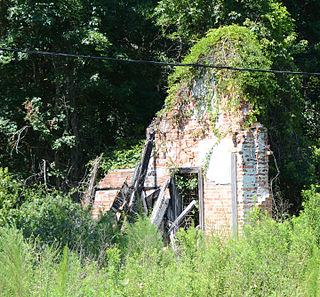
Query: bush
[[268, 258], [310, 216], [53, 218], [122, 156]]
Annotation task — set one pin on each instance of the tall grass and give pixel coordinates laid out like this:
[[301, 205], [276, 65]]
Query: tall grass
[[269, 258], [15, 263]]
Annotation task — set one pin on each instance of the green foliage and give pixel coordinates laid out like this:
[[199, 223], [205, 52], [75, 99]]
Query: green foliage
[[10, 196], [122, 158], [53, 218], [186, 21], [310, 216], [232, 45], [142, 237], [62, 272], [66, 111], [312, 281], [186, 184], [15, 261], [27, 270]]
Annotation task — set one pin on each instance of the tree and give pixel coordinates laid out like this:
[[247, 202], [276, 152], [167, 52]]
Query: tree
[[60, 112]]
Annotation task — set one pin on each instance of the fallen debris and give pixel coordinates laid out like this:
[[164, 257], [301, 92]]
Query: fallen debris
[[165, 210]]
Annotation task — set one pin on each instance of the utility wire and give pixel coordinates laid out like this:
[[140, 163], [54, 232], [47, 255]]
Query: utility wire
[[157, 62]]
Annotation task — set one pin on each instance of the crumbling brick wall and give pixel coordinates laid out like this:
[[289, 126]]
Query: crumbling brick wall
[[108, 188], [198, 142]]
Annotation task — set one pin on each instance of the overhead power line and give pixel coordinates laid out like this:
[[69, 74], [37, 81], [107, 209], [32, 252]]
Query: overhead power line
[[158, 63]]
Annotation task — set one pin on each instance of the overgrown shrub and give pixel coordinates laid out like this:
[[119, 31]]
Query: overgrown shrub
[[122, 156], [53, 218]]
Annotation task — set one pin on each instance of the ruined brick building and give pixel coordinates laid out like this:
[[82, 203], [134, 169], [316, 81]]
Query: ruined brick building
[[206, 137], [228, 158]]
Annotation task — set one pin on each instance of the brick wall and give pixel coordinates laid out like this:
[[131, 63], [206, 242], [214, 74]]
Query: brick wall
[[108, 188]]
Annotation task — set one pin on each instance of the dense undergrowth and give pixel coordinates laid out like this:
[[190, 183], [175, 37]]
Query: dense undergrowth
[[51, 247]]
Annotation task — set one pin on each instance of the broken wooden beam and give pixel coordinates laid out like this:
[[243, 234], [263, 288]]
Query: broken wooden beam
[[89, 194], [121, 198], [181, 217], [127, 202], [140, 175], [161, 205]]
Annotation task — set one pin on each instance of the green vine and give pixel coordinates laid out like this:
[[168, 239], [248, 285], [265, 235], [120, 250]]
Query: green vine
[[234, 46]]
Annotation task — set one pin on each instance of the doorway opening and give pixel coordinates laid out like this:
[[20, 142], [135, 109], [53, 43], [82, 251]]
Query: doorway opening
[[186, 189]]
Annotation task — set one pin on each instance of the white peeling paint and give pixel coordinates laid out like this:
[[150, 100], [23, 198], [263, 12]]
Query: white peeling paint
[[219, 167], [204, 147]]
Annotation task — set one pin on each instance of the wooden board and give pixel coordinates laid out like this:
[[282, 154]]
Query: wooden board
[[182, 216], [161, 205]]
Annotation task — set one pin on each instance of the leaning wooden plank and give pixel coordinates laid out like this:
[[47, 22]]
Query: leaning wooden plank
[[134, 183], [145, 163], [133, 186], [161, 205], [181, 217], [121, 197], [139, 182], [135, 174]]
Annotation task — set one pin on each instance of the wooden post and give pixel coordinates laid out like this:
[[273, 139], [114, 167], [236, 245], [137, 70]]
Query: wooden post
[[200, 195], [234, 201], [140, 176]]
